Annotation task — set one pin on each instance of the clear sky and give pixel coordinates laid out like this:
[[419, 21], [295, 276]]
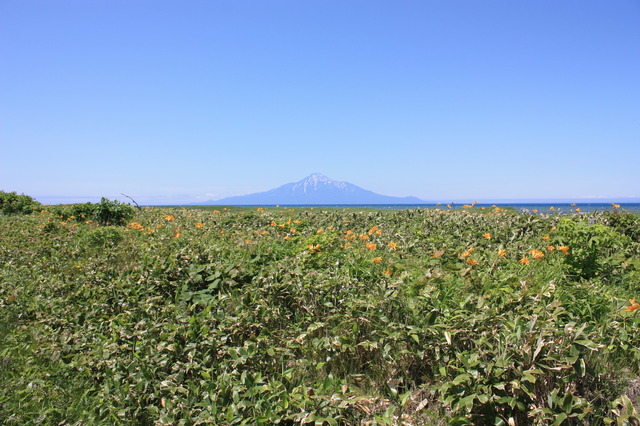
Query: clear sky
[[188, 100]]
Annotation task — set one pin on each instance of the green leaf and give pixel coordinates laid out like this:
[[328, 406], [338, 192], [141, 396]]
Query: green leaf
[[559, 419]]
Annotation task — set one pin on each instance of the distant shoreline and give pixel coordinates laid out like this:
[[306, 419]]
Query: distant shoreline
[[519, 206]]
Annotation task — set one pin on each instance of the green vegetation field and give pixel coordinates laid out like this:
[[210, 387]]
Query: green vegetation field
[[312, 316]]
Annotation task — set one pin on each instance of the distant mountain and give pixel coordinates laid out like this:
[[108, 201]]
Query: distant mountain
[[315, 189]]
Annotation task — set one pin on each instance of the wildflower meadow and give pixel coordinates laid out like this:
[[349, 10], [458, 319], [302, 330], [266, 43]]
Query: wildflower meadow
[[110, 315]]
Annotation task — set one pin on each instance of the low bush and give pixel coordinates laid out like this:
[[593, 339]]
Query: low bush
[[12, 203], [107, 212]]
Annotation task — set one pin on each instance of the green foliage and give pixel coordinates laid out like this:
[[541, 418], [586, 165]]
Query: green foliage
[[313, 316], [107, 212], [12, 203]]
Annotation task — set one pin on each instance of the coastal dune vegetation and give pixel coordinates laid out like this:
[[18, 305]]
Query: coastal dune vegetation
[[111, 314]]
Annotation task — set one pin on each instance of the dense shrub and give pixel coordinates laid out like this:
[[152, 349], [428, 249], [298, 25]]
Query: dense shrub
[[107, 212], [12, 203], [274, 316]]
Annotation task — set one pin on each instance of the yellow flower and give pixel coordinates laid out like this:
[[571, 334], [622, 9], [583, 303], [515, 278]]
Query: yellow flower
[[487, 236], [578, 209], [176, 235], [502, 252], [615, 206], [199, 225], [564, 249], [169, 218], [287, 238], [471, 261], [546, 238], [313, 249], [292, 230], [273, 223], [372, 230], [392, 245], [551, 248], [363, 237], [320, 231], [371, 246], [135, 225], [524, 260], [377, 260]]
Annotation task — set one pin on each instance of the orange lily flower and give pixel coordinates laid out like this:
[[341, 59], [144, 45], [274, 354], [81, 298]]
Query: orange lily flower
[[536, 254]]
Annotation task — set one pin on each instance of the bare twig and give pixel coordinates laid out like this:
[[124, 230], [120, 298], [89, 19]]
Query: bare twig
[[134, 201]]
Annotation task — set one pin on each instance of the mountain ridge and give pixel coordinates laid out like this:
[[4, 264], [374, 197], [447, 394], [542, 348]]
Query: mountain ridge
[[315, 189]]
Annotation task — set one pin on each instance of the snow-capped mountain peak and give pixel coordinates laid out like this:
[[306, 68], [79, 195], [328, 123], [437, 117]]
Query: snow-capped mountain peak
[[315, 182], [315, 189]]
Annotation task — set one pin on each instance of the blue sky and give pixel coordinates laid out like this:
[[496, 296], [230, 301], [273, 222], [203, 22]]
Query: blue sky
[[184, 101]]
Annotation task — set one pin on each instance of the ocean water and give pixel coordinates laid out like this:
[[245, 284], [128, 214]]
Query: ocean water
[[533, 208]]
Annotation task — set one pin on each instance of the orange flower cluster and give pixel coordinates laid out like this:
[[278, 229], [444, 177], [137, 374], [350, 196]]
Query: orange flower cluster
[[536, 254], [169, 218], [136, 226], [371, 246], [633, 305]]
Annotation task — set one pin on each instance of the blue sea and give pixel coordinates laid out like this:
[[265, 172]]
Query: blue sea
[[562, 208]]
